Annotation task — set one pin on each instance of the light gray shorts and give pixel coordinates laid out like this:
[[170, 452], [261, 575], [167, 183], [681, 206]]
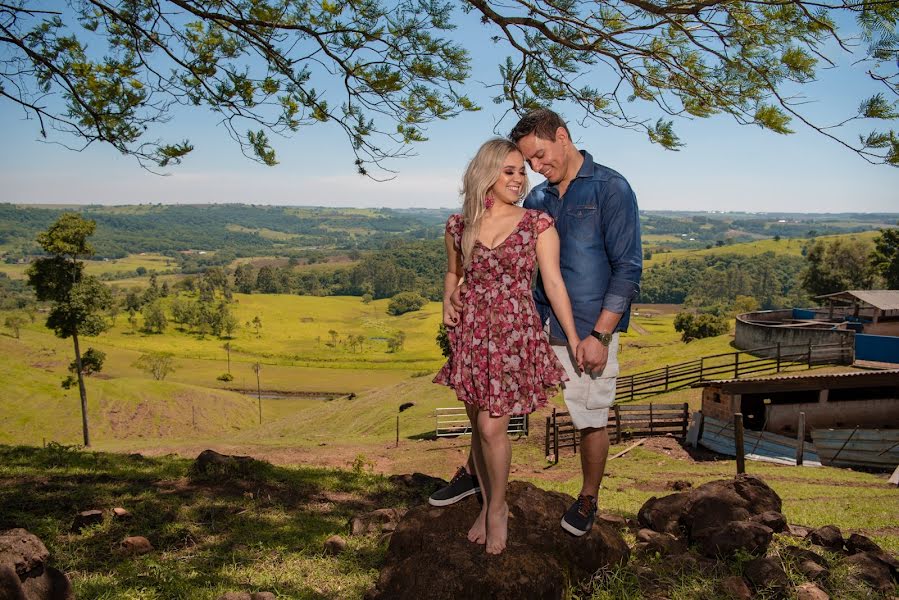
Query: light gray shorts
[[589, 397]]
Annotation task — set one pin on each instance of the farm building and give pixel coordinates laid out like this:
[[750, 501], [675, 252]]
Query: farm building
[[867, 321], [853, 418]]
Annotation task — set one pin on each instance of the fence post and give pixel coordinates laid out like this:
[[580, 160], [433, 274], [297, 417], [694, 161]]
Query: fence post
[[666, 380], [701, 364], [632, 387], [736, 365], [617, 425], [546, 444], [555, 438], [738, 443], [800, 439], [809, 354], [650, 419], [686, 419], [778, 357], [397, 431]]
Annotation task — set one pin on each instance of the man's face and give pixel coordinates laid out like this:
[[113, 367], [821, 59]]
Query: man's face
[[547, 157]]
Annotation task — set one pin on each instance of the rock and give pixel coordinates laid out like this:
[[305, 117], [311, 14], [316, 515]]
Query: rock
[[616, 521], [716, 503], [334, 545], [430, 557], [871, 571], [859, 543], [663, 514], [799, 531], [210, 463], [652, 542], [801, 554], [86, 518], [735, 588], [678, 485], [120, 513], [24, 574], [773, 520], [813, 566], [725, 541], [810, 591], [828, 536], [377, 521], [766, 576], [135, 545]]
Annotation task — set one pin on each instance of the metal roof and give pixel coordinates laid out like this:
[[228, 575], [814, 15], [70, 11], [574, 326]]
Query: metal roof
[[854, 379], [880, 299]]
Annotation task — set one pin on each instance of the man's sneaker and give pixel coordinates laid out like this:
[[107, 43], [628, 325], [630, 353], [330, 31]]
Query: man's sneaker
[[579, 518], [462, 485]]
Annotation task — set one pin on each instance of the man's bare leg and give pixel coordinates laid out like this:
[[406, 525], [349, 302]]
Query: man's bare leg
[[594, 453]]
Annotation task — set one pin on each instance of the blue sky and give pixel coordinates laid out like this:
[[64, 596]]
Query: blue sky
[[724, 166]]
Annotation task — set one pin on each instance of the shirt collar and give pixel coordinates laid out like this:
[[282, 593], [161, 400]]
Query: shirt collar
[[586, 170]]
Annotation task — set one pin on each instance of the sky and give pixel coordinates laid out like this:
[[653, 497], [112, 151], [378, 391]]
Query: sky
[[724, 166]]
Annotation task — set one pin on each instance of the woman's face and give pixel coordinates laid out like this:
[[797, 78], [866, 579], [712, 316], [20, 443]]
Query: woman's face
[[510, 184]]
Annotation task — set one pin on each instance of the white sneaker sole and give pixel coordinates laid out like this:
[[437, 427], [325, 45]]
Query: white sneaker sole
[[454, 499]]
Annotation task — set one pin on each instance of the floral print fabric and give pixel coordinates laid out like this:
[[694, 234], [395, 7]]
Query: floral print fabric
[[501, 360]]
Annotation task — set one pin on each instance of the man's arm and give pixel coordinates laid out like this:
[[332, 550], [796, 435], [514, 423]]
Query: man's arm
[[621, 235]]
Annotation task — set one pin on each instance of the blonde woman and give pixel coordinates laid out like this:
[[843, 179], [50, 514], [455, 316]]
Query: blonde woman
[[501, 363]]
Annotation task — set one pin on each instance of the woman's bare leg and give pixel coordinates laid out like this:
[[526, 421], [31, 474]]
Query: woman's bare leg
[[478, 531], [496, 450]]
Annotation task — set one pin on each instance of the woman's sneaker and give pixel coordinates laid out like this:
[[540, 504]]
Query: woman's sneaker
[[462, 485], [579, 518]]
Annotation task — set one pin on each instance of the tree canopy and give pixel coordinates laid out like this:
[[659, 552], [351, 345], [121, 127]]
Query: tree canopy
[[381, 70]]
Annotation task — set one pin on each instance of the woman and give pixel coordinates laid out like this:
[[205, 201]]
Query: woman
[[501, 363]]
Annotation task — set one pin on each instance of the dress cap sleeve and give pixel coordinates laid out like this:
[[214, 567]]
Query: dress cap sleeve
[[454, 227], [543, 222]]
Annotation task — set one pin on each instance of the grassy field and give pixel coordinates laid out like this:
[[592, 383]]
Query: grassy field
[[791, 247], [114, 266]]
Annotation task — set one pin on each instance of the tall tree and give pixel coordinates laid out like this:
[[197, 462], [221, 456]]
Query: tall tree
[[836, 266], [78, 301], [885, 258], [381, 70]]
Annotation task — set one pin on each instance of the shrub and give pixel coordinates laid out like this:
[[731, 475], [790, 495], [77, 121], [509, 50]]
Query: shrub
[[695, 327], [406, 302], [225, 377]]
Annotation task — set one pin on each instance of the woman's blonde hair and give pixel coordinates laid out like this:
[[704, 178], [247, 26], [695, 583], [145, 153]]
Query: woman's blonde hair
[[481, 174]]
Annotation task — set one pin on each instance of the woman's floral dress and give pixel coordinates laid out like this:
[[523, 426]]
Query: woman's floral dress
[[501, 360]]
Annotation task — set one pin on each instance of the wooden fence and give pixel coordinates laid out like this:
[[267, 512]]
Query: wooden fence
[[732, 365], [625, 422], [453, 422]]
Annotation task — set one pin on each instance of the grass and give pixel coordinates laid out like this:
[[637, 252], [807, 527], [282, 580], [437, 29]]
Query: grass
[[115, 266], [262, 528]]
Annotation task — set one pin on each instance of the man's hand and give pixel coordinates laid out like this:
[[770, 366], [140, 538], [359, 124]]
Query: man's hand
[[592, 356], [456, 298]]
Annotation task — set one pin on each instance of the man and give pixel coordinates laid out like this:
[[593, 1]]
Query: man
[[601, 261]]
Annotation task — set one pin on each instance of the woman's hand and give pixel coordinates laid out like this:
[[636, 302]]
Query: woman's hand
[[573, 344], [450, 315]]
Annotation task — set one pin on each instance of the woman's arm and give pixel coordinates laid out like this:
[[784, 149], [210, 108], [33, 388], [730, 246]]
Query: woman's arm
[[548, 260], [451, 281]]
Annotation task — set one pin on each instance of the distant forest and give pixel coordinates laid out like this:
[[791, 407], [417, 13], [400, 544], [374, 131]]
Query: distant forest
[[381, 252]]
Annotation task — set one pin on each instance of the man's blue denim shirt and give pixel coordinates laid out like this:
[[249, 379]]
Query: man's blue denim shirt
[[600, 254]]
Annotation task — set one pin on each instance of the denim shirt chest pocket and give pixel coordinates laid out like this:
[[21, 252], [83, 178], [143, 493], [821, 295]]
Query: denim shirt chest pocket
[[581, 220]]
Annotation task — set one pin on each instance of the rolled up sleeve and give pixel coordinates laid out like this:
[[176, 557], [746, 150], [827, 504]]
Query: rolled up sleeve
[[621, 234]]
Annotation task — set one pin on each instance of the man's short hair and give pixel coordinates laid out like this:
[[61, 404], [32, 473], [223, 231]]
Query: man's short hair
[[542, 122]]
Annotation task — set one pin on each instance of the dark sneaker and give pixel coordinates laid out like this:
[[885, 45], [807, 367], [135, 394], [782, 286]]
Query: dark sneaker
[[462, 485], [579, 518]]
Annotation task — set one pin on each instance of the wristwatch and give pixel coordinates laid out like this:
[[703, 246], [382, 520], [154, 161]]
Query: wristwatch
[[604, 338]]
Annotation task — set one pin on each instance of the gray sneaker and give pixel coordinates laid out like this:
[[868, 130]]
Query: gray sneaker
[[462, 485]]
